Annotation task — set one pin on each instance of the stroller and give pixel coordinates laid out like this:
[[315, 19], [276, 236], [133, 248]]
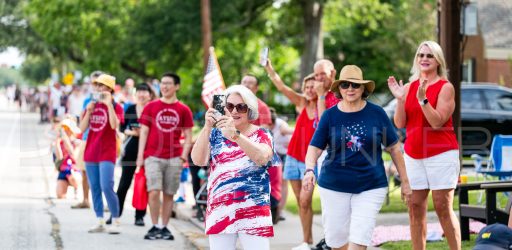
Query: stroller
[[202, 195]]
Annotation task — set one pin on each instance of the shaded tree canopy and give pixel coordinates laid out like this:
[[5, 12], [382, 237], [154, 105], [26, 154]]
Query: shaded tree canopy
[[145, 38]]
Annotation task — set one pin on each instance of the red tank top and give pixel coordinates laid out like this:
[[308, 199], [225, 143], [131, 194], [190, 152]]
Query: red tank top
[[301, 137], [422, 140]]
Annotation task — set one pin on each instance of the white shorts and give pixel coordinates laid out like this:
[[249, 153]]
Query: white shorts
[[228, 242], [350, 217], [435, 173]]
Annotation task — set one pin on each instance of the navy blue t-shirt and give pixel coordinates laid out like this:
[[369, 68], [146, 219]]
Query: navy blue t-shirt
[[354, 157]]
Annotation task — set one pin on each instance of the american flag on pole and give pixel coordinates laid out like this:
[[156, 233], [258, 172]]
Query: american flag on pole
[[213, 82]]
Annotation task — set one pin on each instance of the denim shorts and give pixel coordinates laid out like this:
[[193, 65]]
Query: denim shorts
[[294, 169]]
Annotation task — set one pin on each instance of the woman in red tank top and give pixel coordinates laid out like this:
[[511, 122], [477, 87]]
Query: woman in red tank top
[[425, 107]]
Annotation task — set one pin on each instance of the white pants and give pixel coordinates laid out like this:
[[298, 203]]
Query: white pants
[[228, 242], [350, 217]]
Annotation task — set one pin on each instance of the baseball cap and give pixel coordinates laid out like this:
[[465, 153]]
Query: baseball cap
[[494, 237]]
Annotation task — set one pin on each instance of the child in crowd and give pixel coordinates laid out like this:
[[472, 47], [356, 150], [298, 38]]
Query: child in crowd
[[65, 152]]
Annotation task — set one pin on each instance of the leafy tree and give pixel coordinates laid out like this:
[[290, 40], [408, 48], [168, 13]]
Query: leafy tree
[[36, 69], [10, 76]]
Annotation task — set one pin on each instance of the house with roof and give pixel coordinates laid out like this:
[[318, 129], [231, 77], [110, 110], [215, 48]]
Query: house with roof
[[487, 56]]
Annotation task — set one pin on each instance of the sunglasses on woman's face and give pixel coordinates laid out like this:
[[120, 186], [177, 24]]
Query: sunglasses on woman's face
[[240, 108], [421, 55], [346, 85]]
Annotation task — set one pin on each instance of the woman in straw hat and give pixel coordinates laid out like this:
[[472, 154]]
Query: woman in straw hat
[[425, 107], [102, 117], [353, 183]]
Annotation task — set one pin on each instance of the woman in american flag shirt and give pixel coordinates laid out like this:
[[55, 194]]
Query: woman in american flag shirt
[[238, 153]]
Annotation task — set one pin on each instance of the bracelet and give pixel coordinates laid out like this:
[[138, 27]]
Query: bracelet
[[322, 97], [183, 160], [309, 170]]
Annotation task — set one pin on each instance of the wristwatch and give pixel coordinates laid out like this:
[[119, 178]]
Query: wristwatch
[[236, 135], [309, 170], [423, 102]]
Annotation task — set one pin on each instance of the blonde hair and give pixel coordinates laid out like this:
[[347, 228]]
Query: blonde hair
[[306, 79], [248, 97], [437, 51]]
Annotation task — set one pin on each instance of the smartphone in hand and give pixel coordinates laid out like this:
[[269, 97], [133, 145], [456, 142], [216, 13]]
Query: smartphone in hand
[[219, 103], [134, 126], [264, 56]]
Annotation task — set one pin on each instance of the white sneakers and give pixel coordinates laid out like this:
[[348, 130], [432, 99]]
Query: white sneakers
[[115, 228], [303, 246], [98, 228]]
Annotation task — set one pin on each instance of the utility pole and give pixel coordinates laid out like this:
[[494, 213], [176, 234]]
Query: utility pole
[[206, 29], [449, 38]]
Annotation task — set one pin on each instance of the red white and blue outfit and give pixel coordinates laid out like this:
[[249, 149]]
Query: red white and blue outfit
[[238, 189]]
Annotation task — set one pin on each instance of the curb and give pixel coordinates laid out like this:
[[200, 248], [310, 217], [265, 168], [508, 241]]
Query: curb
[[191, 228]]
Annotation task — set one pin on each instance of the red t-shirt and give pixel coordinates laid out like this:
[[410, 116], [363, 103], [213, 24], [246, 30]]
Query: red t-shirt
[[330, 100], [422, 140], [275, 174], [165, 122], [101, 141], [264, 117]]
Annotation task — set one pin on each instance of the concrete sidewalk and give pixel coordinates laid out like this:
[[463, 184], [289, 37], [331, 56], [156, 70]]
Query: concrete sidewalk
[[287, 233]]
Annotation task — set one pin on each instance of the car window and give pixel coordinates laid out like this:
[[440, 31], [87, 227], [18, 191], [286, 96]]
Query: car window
[[471, 99], [499, 100]]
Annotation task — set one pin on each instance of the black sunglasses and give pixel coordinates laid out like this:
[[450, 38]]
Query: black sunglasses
[[421, 55], [240, 108], [346, 85]]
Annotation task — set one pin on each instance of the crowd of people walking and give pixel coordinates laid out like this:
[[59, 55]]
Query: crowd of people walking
[[252, 155]]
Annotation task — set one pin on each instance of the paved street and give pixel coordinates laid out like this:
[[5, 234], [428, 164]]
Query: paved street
[[31, 217]]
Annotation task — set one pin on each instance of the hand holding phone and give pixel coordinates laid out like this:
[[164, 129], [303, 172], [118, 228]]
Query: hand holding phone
[[264, 56], [219, 103], [134, 126]]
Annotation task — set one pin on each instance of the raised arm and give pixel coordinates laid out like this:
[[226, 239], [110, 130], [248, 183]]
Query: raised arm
[[399, 91], [260, 153], [201, 150], [294, 97], [445, 105], [84, 123]]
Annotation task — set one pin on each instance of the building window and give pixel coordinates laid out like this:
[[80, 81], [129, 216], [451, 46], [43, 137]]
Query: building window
[[468, 70]]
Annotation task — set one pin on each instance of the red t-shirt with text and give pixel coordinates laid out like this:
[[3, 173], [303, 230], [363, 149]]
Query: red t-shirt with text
[[264, 116], [165, 122], [101, 141]]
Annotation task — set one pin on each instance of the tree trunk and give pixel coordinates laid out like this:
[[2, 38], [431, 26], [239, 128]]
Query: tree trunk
[[206, 29], [312, 12]]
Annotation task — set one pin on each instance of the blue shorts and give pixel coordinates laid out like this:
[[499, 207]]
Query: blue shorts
[[294, 169], [63, 175]]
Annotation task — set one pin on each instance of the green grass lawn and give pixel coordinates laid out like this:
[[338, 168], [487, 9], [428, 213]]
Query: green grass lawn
[[395, 204], [439, 245]]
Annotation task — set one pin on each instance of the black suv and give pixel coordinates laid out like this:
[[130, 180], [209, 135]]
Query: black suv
[[486, 110]]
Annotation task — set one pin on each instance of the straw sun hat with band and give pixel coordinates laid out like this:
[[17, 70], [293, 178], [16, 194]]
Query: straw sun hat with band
[[106, 80], [352, 74]]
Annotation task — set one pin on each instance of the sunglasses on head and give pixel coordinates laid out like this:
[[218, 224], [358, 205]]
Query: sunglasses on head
[[240, 108], [346, 85], [421, 55]]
